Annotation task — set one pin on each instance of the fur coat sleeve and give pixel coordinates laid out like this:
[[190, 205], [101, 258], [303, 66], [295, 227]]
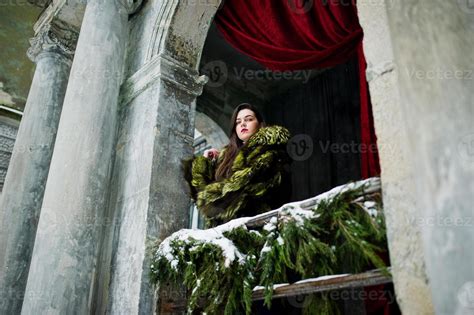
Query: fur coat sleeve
[[259, 180]]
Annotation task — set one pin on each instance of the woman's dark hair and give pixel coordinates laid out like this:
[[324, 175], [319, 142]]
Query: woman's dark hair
[[224, 168]]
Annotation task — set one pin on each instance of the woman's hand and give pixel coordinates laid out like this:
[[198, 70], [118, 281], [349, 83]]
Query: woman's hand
[[211, 153]]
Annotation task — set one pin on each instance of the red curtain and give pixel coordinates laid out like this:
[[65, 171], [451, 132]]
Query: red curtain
[[298, 34]]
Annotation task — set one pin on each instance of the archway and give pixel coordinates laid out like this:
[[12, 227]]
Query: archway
[[170, 36], [148, 200]]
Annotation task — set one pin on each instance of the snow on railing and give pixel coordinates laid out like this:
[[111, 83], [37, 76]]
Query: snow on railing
[[299, 208]]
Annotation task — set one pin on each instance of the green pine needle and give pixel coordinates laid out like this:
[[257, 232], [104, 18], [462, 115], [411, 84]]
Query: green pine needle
[[340, 234]]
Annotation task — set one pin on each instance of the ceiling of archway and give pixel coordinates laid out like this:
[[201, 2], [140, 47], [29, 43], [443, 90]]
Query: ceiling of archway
[[238, 64]]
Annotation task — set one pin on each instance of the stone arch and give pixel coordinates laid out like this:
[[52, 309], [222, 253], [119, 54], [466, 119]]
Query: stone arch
[[185, 40], [149, 200], [413, 292], [171, 27], [210, 130], [172, 34], [207, 134]]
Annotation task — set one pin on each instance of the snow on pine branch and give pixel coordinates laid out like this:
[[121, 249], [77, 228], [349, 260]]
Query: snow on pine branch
[[298, 211]]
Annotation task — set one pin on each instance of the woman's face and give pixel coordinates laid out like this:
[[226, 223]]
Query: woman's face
[[246, 124]]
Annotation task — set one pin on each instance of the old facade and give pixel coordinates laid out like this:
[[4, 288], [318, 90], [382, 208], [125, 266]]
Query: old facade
[[112, 109]]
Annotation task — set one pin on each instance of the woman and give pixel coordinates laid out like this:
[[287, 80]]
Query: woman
[[248, 176]]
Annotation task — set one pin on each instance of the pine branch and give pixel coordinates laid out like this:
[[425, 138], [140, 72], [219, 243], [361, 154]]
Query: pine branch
[[312, 238]]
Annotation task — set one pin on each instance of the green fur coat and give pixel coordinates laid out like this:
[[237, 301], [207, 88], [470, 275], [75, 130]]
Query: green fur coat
[[259, 180]]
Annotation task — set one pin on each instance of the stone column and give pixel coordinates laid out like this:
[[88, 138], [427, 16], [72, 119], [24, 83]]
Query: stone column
[[64, 260], [151, 201], [28, 170], [433, 46], [403, 233]]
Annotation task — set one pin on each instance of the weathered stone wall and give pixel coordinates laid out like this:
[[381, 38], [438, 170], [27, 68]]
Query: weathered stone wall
[[8, 131], [52, 50], [433, 46], [148, 199], [423, 119], [77, 189], [405, 243], [420, 75]]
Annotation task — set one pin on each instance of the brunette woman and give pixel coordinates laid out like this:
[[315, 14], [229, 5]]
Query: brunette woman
[[250, 175]]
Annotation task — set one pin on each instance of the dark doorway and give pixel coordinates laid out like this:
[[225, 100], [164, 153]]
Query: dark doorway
[[323, 118]]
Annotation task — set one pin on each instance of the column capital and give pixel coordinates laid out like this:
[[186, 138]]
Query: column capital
[[163, 67], [130, 6], [57, 37]]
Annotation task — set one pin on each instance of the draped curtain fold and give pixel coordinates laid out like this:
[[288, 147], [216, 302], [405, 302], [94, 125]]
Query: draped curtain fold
[[298, 34]]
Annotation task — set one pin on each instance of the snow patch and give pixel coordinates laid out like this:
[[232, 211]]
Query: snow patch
[[211, 236]]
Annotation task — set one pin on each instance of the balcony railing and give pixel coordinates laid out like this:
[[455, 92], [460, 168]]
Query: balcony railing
[[362, 194]]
